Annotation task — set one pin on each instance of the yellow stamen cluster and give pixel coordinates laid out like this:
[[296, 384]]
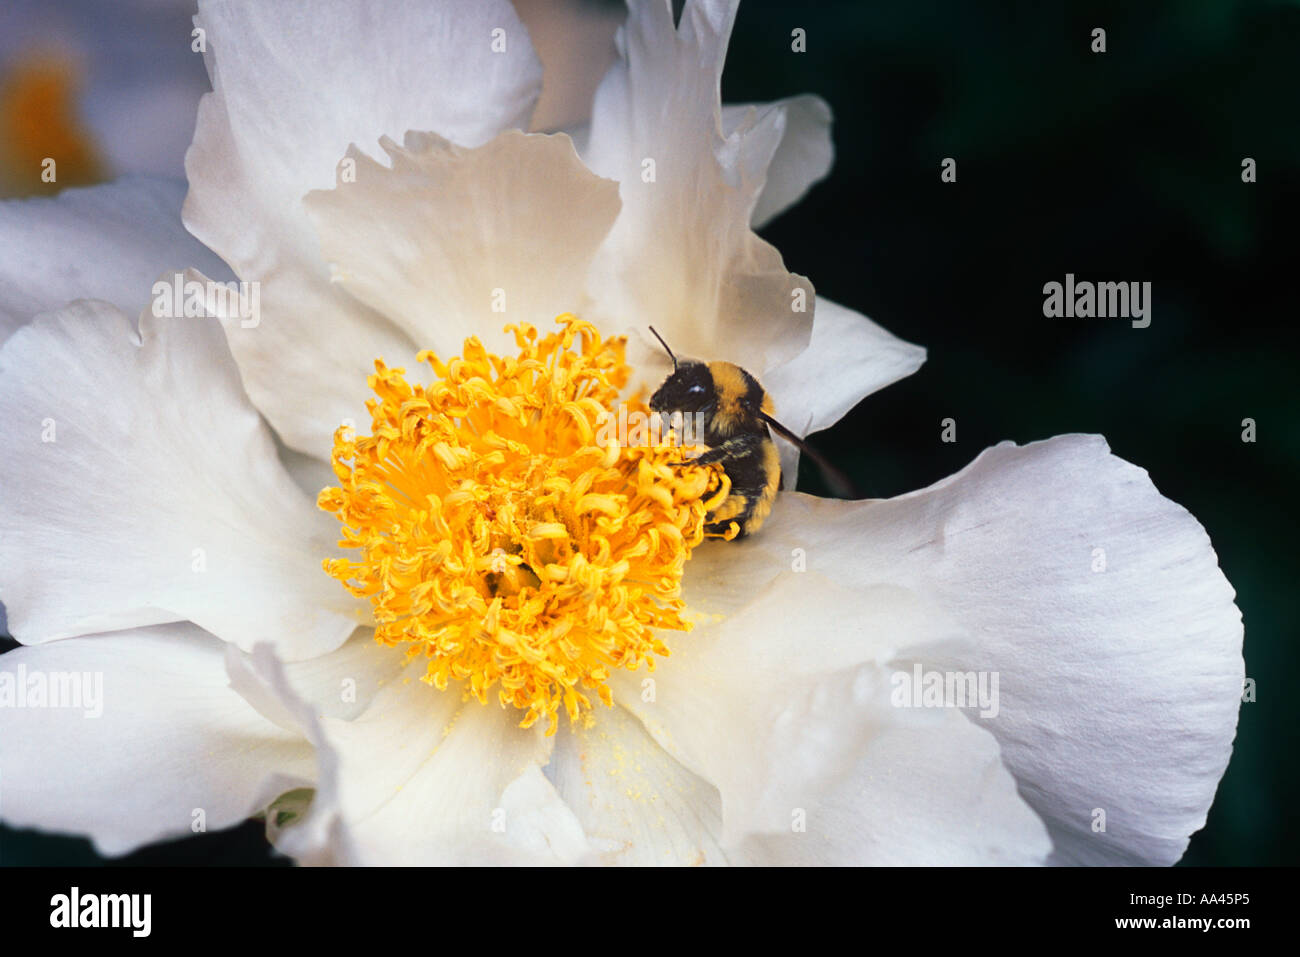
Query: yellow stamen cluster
[[504, 535], [38, 124]]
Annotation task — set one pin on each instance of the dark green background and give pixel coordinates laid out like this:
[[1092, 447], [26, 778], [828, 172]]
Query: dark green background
[[1120, 166]]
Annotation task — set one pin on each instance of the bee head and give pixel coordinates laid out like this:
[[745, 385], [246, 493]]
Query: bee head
[[689, 389]]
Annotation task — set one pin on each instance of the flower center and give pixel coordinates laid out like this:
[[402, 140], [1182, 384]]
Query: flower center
[[503, 535], [39, 123]]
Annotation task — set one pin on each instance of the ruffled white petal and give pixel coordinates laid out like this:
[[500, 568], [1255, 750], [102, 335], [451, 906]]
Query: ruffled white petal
[[292, 88], [105, 242], [636, 804], [682, 255], [848, 358], [138, 486], [309, 473], [574, 40], [318, 836], [923, 793], [450, 242], [340, 684], [803, 156], [482, 799], [173, 749], [783, 683], [425, 778], [1101, 606]]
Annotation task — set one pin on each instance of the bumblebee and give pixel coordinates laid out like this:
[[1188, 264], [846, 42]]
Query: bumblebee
[[736, 424]]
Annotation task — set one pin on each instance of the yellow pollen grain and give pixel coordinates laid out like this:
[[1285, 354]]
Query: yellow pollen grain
[[500, 539]]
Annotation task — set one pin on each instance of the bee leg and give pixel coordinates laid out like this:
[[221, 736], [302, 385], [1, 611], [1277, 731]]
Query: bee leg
[[707, 458], [710, 457], [732, 448]]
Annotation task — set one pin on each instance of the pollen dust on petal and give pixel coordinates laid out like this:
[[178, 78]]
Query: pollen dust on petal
[[504, 536]]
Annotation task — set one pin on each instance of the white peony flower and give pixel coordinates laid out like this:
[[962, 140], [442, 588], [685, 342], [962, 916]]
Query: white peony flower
[[102, 89], [157, 533]]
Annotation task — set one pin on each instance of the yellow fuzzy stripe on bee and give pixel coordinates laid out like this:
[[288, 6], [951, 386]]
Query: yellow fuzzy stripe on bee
[[731, 388], [730, 382], [763, 507], [733, 506]]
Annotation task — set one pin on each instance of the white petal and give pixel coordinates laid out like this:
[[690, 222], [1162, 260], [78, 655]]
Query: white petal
[[635, 803], [478, 797], [138, 486], [920, 794], [574, 40], [682, 255], [342, 684], [292, 88], [848, 358], [424, 778], [173, 739], [368, 752], [454, 242], [105, 242], [308, 472], [318, 837], [782, 683], [1119, 687], [803, 156]]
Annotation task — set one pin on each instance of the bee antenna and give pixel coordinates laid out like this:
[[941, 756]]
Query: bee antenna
[[665, 345]]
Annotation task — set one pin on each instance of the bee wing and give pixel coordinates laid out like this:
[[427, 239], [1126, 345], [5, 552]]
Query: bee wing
[[838, 482]]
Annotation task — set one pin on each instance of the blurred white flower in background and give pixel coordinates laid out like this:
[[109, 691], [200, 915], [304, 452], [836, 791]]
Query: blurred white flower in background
[[106, 89]]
